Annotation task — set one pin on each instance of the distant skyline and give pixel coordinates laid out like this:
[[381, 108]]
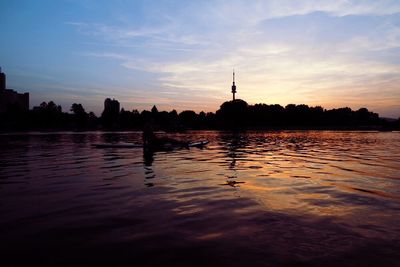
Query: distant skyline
[[180, 54]]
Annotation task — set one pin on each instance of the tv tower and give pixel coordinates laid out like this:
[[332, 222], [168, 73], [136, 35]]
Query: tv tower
[[233, 86]]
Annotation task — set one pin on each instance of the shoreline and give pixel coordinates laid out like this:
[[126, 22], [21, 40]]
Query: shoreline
[[43, 132]]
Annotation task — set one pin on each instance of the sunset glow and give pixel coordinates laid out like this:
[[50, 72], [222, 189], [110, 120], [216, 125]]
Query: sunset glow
[[180, 55]]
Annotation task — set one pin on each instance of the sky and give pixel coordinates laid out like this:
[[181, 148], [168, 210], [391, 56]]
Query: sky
[[180, 54]]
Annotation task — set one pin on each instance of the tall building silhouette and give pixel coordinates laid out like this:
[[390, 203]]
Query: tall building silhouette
[[10, 99], [2, 80], [233, 86], [111, 106]]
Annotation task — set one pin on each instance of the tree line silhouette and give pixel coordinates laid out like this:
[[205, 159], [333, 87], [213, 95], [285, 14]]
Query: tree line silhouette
[[236, 114]]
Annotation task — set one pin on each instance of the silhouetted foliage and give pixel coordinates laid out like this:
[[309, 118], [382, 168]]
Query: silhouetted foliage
[[188, 118], [49, 116], [233, 114], [130, 119], [80, 117], [236, 114]]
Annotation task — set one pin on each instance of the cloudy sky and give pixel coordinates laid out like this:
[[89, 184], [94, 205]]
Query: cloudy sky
[[180, 54]]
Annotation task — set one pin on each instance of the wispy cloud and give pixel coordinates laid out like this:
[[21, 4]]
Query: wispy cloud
[[110, 55], [284, 51]]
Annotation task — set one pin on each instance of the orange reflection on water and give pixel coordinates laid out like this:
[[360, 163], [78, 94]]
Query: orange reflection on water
[[275, 193], [210, 236]]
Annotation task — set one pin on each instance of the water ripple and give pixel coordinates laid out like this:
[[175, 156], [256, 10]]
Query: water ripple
[[294, 195]]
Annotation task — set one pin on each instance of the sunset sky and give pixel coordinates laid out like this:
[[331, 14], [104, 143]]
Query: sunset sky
[[180, 54]]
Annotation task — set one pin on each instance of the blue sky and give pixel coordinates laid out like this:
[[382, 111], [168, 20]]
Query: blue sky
[[180, 54]]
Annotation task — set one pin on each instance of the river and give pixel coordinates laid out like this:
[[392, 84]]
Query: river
[[285, 198]]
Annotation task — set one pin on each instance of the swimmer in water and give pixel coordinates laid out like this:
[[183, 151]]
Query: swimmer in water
[[150, 140]]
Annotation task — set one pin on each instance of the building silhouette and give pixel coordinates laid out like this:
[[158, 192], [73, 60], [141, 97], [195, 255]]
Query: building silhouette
[[111, 106], [233, 86], [111, 113], [10, 99], [2, 80]]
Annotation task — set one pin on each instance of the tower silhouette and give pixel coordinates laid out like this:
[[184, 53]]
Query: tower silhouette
[[233, 86]]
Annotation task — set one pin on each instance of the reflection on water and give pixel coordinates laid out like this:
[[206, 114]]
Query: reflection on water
[[246, 199]]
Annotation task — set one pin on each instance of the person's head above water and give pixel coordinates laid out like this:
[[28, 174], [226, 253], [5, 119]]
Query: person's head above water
[[148, 133]]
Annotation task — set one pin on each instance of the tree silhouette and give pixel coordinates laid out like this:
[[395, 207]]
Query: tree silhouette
[[233, 114], [81, 118], [236, 114]]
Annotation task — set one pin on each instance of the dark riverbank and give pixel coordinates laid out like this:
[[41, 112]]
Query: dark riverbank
[[232, 115]]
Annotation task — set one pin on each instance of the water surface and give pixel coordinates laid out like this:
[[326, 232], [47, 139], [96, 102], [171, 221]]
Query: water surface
[[246, 199]]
